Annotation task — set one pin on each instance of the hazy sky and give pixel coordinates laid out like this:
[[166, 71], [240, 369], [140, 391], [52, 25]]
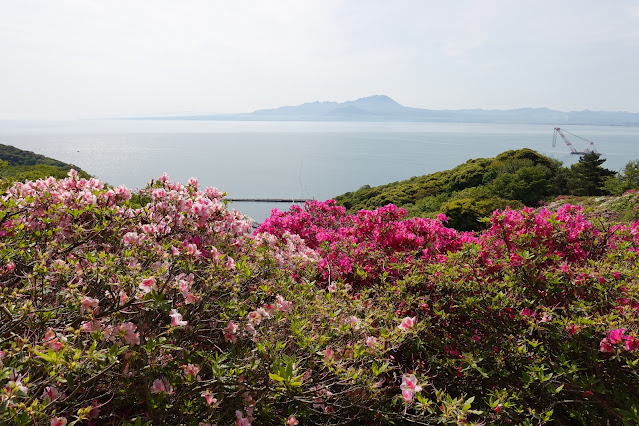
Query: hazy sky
[[104, 57]]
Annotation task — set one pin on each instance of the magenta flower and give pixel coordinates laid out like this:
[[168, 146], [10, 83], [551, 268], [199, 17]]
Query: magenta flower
[[605, 346], [616, 335], [631, 343]]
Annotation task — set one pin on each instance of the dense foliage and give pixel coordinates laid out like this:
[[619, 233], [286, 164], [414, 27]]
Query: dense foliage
[[172, 312], [476, 188]]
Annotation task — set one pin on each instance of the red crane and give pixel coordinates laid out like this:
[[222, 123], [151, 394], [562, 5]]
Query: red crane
[[589, 149]]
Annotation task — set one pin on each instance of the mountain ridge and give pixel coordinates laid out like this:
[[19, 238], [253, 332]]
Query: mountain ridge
[[384, 108]]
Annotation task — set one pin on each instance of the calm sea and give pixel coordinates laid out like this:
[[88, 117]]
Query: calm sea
[[292, 160]]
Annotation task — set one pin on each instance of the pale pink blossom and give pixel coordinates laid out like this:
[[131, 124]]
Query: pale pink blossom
[[148, 284], [88, 304], [59, 421], [407, 323], [131, 238], [208, 396], [91, 326], [409, 387], [162, 385], [131, 337], [229, 332], [292, 421], [176, 318], [52, 393], [283, 305], [354, 322], [192, 250], [230, 263], [191, 370], [51, 341], [328, 353], [241, 420], [371, 341]]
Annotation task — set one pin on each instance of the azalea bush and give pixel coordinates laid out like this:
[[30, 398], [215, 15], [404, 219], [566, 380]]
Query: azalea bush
[[164, 307]]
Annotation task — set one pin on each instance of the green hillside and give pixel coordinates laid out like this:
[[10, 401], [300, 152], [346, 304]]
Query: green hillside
[[20, 165], [474, 189]]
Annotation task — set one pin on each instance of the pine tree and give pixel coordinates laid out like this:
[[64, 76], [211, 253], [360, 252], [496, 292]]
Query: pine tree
[[588, 177]]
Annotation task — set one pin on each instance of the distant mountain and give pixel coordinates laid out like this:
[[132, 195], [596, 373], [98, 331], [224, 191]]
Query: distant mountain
[[383, 108]]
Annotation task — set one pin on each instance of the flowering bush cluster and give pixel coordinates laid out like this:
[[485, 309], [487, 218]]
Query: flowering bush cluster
[[360, 248], [162, 308]]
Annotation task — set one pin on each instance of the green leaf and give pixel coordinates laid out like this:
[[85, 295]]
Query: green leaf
[[276, 377]]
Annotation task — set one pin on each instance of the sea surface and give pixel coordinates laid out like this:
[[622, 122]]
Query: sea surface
[[293, 160]]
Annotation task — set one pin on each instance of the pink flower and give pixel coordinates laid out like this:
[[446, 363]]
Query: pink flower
[[230, 263], [191, 370], [630, 343], [162, 385], [192, 250], [208, 396], [409, 387], [89, 304], [328, 353], [59, 421], [292, 421], [527, 313], [131, 238], [148, 284], [241, 420], [442, 218], [52, 393], [51, 341], [130, 336], [573, 328], [407, 323], [354, 322], [371, 341], [616, 335], [176, 318], [283, 305], [605, 346], [229, 332]]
